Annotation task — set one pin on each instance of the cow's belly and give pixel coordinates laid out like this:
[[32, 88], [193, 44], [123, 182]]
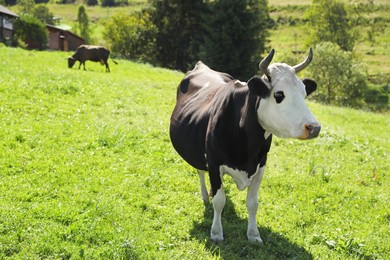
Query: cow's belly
[[240, 177], [189, 143]]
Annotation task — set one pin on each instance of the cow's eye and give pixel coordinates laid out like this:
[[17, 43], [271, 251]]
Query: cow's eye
[[279, 96]]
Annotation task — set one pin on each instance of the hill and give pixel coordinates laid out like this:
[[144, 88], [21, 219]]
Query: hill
[[87, 171]]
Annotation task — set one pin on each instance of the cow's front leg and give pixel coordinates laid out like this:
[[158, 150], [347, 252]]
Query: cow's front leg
[[252, 204], [219, 201]]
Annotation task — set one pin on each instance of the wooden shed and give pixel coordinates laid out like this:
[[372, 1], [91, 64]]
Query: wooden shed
[[61, 39], [7, 19]]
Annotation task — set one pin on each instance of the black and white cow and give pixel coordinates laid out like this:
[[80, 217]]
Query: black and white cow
[[225, 126]]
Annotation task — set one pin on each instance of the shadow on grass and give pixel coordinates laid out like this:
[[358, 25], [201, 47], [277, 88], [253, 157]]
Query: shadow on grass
[[236, 244]]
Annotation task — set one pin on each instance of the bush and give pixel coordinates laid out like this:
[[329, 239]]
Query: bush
[[331, 21], [341, 79], [43, 13], [108, 3], [92, 2], [235, 38], [131, 36], [31, 31]]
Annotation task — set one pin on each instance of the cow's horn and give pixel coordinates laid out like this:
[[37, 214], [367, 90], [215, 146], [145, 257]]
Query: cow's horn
[[304, 64], [263, 66]]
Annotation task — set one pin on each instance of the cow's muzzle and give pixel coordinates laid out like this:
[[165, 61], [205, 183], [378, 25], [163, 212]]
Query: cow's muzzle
[[312, 130]]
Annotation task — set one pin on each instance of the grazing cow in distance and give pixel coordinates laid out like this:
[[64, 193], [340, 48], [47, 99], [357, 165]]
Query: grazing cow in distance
[[92, 53], [225, 126]]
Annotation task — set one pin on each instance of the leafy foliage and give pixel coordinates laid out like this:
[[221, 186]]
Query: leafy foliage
[[342, 80], [227, 35], [31, 31], [235, 34], [83, 23], [131, 36], [331, 21], [179, 32], [43, 13], [92, 2]]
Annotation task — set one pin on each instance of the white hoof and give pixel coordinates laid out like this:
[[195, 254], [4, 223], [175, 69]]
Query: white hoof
[[217, 239], [254, 236]]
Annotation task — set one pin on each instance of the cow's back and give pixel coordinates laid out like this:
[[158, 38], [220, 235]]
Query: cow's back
[[191, 115], [92, 53]]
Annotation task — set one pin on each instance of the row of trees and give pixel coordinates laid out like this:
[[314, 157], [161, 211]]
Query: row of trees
[[228, 35], [175, 34], [231, 36]]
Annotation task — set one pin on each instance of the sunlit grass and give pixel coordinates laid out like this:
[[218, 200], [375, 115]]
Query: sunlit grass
[[87, 170]]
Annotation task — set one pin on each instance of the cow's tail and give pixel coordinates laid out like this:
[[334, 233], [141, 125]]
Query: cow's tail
[[114, 61]]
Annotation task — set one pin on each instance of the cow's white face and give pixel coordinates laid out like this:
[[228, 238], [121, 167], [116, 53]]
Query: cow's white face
[[283, 111]]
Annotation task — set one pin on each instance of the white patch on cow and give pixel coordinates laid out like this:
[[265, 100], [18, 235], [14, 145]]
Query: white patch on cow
[[219, 201], [267, 134], [240, 177], [239, 82], [203, 189], [252, 203], [289, 117], [206, 84]]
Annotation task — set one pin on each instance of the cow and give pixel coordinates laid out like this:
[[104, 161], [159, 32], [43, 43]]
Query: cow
[[225, 126], [92, 53]]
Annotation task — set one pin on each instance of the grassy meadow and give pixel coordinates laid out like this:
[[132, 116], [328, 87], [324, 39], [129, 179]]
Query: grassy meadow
[[87, 171]]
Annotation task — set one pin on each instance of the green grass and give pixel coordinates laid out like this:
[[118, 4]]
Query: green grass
[[87, 171]]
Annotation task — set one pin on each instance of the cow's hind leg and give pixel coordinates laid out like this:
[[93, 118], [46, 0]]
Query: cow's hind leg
[[219, 201], [252, 205], [203, 189]]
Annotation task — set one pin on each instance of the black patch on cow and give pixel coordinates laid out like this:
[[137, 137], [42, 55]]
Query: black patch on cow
[[258, 87], [279, 96], [184, 85], [310, 85]]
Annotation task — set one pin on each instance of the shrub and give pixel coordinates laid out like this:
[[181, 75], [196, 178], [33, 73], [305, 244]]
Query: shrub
[[331, 21], [341, 79], [92, 2], [43, 13], [131, 36], [31, 31], [235, 38]]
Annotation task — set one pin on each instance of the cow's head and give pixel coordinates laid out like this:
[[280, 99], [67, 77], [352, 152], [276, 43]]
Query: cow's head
[[282, 110], [71, 62]]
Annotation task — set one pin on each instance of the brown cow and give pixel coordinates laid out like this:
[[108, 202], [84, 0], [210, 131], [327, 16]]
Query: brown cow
[[92, 53]]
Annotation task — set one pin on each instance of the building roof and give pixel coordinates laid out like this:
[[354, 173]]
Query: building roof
[[7, 11], [63, 30]]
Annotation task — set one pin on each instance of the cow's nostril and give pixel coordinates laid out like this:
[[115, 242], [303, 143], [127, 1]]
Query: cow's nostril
[[313, 130], [309, 127]]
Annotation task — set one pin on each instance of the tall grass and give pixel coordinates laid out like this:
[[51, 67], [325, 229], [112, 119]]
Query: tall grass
[[87, 171]]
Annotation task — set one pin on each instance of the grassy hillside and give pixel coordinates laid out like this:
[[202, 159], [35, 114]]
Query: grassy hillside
[[87, 171]]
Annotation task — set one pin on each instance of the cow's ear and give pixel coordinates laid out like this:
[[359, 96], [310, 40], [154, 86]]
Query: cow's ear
[[258, 87], [310, 86]]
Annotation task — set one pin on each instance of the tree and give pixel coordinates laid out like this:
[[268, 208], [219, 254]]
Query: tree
[[341, 80], [31, 31], [83, 23], [108, 3], [330, 21], [131, 36], [92, 2], [179, 32], [235, 36], [26, 6], [43, 13]]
